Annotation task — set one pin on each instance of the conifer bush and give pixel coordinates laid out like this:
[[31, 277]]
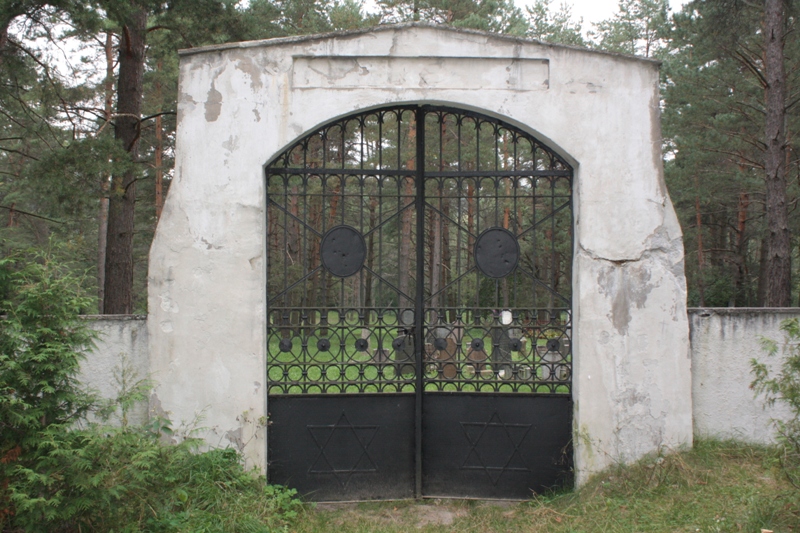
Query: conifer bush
[[58, 475], [783, 386]]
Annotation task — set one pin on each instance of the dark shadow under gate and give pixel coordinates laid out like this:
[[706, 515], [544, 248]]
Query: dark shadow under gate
[[419, 309]]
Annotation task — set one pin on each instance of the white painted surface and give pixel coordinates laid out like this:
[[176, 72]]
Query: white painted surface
[[724, 342], [120, 352], [240, 105]]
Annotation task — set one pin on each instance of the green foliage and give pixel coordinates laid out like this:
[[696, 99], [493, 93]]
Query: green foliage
[[500, 16], [713, 123], [127, 480], [639, 27], [554, 26], [783, 386], [55, 476], [41, 345]]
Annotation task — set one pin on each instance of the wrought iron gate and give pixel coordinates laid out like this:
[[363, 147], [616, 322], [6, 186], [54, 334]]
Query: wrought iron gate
[[418, 302]]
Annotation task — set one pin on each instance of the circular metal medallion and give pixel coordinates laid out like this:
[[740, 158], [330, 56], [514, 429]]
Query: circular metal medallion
[[285, 345], [496, 252], [343, 251]]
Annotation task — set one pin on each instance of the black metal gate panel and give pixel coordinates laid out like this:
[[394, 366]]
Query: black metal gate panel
[[419, 309]]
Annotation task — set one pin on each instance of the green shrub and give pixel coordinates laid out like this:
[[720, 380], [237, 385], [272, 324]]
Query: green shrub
[[56, 475], [126, 480], [41, 345], [784, 387]]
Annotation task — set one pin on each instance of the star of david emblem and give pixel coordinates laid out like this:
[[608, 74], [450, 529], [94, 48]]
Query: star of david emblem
[[343, 449], [495, 447]]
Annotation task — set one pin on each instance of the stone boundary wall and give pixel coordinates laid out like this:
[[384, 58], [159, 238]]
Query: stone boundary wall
[[724, 341], [121, 344]]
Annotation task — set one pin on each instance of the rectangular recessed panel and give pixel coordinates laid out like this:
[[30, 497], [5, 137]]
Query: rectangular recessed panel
[[342, 447], [506, 447], [348, 72]]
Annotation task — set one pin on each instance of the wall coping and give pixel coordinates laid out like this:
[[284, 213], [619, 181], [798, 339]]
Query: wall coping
[[277, 41], [708, 311], [113, 317]]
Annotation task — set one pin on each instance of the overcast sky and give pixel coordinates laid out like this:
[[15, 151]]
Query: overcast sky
[[594, 10]]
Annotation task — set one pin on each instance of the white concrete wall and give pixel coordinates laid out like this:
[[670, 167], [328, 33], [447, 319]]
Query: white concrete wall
[[724, 342], [241, 104], [121, 344]]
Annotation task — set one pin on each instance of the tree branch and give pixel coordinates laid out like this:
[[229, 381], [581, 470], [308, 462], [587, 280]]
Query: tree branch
[[23, 154], [20, 211]]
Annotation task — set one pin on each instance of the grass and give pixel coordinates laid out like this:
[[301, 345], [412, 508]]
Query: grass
[[716, 487], [304, 367]]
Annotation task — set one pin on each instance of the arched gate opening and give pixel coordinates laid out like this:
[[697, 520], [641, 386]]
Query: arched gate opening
[[419, 275]]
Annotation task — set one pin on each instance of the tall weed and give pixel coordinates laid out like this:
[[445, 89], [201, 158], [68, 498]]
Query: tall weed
[[783, 386]]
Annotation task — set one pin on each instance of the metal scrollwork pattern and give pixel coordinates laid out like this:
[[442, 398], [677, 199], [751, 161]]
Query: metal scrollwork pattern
[[419, 245]]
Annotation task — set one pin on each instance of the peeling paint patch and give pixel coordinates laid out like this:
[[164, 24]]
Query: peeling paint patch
[[231, 144], [593, 88], [235, 438], [626, 285], [245, 64], [213, 104], [208, 245], [167, 303], [185, 98]]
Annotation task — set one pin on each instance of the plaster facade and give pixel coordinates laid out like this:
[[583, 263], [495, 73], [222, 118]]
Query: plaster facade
[[242, 104], [120, 352], [724, 342]]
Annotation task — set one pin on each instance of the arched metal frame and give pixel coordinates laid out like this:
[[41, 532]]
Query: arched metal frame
[[419, 226], [515, 184]]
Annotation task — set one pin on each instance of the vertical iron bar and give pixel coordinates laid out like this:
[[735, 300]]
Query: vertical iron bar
[[303, 329], [286, 185], [419, 315], [376, 299]]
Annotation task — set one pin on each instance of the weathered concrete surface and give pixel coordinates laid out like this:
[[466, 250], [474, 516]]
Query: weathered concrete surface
[[120, 352], [724, 342], [240, 105]]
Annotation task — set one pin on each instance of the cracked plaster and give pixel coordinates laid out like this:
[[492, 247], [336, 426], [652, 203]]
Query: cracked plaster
[[631, 372]]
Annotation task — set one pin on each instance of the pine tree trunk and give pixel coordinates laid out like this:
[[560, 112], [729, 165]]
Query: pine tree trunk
[[739, 265], [761, 291], [373, 220], [701, 261], [403, 260], [435, 258], [102, 229], [778, 293], [118, 297], [159, 152], [3, 38]]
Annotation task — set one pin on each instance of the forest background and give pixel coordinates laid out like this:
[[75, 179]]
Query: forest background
[[88, 97]]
